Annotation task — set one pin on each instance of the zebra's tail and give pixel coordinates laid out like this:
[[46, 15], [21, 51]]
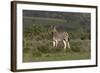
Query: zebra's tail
[[67, 35]]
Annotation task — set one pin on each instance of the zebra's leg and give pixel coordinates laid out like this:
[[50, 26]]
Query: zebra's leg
[[68, 44], [64, 44], [54, 43]]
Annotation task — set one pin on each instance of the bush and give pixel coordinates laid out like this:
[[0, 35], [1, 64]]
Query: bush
[[36, 53], [80, 45], [43, 49], [75, 46]]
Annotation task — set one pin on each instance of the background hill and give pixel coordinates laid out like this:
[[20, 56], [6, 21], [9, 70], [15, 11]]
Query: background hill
[[78, 23]]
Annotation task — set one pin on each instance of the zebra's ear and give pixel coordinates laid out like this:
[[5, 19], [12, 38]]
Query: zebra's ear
[[51, 26], [54, 27]]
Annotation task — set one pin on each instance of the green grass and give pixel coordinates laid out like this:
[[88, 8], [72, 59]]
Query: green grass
[[56, 56], [43, 51]]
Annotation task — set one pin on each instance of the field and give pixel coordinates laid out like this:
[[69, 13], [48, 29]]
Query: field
[[45, 52], [37, 38]]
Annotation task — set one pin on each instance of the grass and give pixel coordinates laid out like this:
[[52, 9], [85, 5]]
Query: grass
[[56, 56], [43, 51]]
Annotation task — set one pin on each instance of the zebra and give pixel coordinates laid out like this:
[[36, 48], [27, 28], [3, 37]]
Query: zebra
[[58, 36]]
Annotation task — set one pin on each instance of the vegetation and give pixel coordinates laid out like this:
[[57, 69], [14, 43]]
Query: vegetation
[[37, 37]]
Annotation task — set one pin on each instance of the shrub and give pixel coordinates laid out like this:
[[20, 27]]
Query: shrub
[[80, 45], [75, 45], [36, 52]]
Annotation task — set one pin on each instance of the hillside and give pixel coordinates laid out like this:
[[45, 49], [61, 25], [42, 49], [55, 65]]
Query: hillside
[[68, 20], [77, 24]]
